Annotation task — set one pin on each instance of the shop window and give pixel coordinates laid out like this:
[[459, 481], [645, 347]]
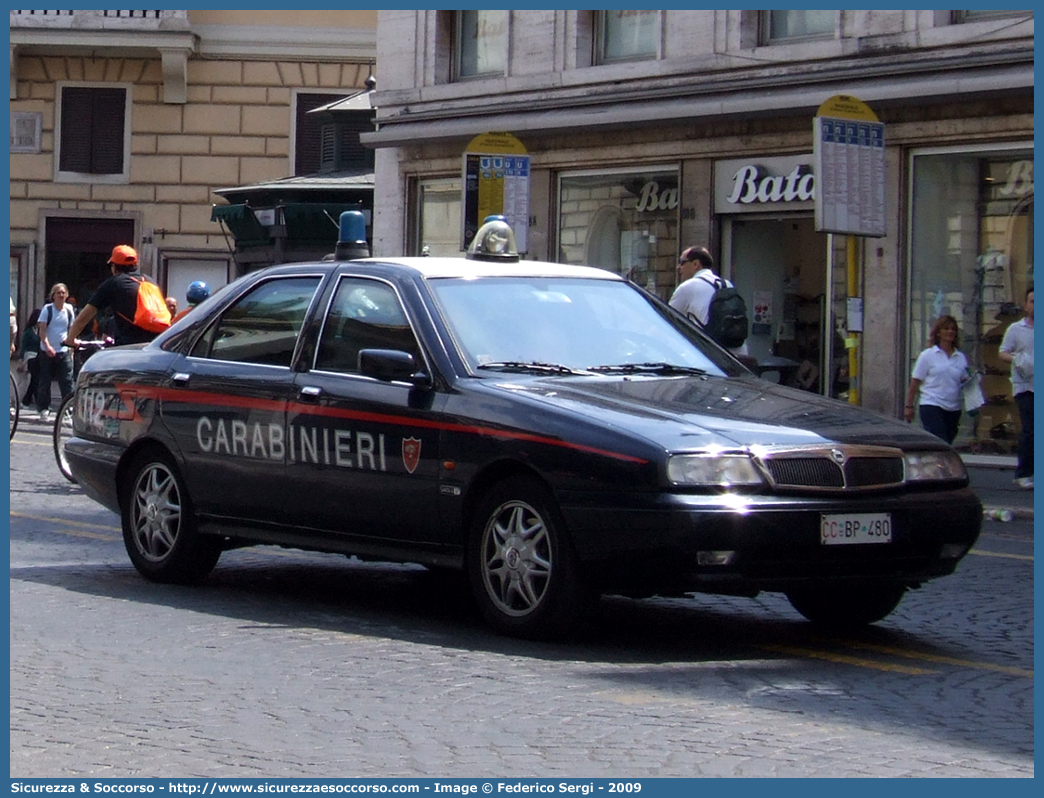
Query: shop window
[[625, 222], [480, 44], [93, 134], [785, 26], [972, 257], [438, 217], [627, 35]]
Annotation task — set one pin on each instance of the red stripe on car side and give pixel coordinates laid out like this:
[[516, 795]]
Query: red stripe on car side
[[272, 405]]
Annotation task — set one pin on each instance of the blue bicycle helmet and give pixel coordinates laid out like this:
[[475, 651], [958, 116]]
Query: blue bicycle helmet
[[197, 292]]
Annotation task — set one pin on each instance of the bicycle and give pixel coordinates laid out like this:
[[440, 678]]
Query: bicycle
[[63, 420], [16, 405]]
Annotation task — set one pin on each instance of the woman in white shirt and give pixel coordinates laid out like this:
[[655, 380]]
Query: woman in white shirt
[[939, 374]]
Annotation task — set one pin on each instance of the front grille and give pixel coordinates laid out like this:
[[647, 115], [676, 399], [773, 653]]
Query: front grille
[[872, 472], [809, 472], [835, 468]]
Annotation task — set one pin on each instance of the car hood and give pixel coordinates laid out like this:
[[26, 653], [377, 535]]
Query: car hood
[[684, 413]]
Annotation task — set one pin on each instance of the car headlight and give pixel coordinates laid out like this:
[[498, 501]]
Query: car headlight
[[934, 466], [718, 470]]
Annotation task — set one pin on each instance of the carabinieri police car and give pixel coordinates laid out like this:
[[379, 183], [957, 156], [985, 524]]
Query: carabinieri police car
[[554, 431]]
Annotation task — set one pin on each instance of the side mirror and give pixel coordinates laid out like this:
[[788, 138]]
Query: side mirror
[[391, 365], [750, 362]]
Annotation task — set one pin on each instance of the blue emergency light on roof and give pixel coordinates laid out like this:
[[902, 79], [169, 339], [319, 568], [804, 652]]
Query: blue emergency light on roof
[[351, 241], [494, 241]]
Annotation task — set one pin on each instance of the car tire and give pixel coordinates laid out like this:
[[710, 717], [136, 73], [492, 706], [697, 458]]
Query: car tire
[[847, 607], [522, 568], [159, 524], [61, 432]]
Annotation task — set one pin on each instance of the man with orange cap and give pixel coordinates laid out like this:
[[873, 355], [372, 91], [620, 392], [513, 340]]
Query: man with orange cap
[[120, 292]]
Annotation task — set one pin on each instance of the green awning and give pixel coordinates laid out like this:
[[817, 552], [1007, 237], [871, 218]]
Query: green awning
[[315, 221], [241, 222]]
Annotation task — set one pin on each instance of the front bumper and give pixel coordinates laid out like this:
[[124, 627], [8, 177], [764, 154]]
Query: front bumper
[[644, 545]]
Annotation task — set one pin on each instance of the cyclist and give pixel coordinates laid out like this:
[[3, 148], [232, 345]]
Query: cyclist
[[120, 292], [197, 292]]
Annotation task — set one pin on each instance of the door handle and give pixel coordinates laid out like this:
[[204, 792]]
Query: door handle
[[180, 379], [310, 393]]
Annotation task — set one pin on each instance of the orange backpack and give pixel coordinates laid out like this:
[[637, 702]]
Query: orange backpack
[[152, 313]]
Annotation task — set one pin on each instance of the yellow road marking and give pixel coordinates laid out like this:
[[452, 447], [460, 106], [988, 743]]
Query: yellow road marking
[[845, 659], [266, 550], [49, 443], [63, 521], [1002, 555], [68, 523], [940, 658]]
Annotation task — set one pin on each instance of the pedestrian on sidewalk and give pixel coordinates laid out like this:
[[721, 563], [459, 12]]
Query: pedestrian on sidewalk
[[56, 359], [29, 353], [1017, 348], [697, 286], [939, 374]]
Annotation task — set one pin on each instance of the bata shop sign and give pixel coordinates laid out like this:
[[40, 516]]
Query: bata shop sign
[[750, 185]]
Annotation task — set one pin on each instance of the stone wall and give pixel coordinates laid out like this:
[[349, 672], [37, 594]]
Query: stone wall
[[235, 129]]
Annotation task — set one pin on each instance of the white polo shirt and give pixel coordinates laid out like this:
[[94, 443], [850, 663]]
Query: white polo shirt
[[1018, 341], [694, 295], [941, 377], [693, 298]]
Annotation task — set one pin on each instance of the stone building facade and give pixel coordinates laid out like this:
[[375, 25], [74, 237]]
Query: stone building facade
[[640, 128], [182, 103]]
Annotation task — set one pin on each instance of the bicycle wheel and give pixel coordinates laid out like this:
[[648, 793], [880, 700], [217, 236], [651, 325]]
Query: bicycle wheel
[[63, 429], [16, 405]]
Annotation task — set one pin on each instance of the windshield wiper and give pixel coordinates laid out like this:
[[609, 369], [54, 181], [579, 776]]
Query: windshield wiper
[[649, 368], [531, 367]]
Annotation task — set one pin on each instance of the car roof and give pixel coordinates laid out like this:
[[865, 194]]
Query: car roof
[[435, 268]]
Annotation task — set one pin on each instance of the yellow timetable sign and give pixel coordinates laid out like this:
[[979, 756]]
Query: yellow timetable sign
[[845, 106], [495, 183], [849, 152], [496, 144]]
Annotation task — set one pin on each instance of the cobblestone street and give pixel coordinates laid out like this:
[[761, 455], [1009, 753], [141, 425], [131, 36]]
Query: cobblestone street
[[292, 664]]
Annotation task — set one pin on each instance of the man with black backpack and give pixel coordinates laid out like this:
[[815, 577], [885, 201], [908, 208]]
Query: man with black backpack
[[138, 306], [711, 301]]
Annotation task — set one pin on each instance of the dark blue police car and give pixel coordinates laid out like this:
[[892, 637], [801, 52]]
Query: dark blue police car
[[553, 430]]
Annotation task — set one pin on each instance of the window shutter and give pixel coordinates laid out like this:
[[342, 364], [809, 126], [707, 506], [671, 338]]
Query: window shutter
[[107, 131], [353, 154], [308, 141], [76, 130], [92, 130], [328, 159]]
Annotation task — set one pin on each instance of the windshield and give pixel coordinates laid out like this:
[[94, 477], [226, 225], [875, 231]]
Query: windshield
[[572, 324]]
